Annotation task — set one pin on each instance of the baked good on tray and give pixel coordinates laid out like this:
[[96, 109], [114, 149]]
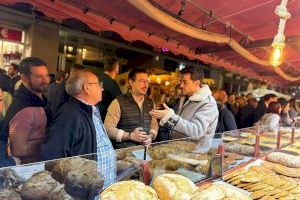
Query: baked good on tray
[[284, 159], [218, 191], [42, 186], [128, 190], [235, 147], [9, 194], [79, 175], [174, 187]]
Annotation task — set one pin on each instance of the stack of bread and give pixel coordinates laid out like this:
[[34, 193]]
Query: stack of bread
[[128, 190], [264, 183]]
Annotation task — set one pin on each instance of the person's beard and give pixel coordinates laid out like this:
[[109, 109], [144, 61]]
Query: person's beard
[[38, 89]]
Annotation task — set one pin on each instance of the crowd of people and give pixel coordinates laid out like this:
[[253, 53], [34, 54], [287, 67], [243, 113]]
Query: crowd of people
[[82, 113]]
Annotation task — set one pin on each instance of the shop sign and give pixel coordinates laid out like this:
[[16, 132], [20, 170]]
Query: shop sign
[[10, 34]]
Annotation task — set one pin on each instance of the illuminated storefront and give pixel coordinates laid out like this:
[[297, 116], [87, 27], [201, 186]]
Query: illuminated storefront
[[11, 46]]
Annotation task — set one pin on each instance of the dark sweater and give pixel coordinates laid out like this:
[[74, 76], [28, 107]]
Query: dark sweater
[[72, 132], [226, 121], [111, 91], [245, 116]]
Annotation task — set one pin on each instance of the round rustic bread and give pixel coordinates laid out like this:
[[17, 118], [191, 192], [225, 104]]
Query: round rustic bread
[[174, 187], [9, 194], [128, 190], [42, 186]]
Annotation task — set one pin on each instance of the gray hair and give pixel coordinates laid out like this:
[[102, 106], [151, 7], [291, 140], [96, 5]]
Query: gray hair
[[76, 81]]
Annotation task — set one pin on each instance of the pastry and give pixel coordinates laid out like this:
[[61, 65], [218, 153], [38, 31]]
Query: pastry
[[128, 190], [173, 187]]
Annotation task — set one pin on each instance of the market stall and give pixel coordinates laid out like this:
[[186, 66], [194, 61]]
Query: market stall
[[256, 162]]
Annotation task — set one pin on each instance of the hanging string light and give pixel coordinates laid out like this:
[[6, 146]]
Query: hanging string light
[[278, 42]]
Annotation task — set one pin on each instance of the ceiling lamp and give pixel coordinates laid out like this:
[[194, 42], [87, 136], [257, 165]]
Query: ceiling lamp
[[278, 45]]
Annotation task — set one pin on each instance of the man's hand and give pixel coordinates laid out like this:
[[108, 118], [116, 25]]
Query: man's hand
[[138, 135], [158, 114], [147, 142]]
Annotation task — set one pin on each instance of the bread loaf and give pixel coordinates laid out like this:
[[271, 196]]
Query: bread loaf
[[174, 187], [128, 190], [218, 191], [42, 186], [284, 159], [79, 175], [234, 147], [9, 194]]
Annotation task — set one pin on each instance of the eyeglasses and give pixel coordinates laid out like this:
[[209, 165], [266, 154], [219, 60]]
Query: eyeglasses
[[99, 83], [143, 81]]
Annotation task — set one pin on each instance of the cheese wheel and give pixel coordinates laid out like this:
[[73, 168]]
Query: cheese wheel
[[128, 190], [174, 187]]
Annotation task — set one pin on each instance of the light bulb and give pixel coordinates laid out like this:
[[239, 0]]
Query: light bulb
[[277, 54], [158, 80]]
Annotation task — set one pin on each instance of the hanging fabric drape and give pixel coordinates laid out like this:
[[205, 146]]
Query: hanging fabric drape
[[163, 18]]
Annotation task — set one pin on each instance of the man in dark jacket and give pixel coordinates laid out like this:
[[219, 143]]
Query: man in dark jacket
[[226, 121], [51, 93], [245, 115], [26, 118], [77, 127], [61, 95], [13, 73], [263, 105], [110, 86]]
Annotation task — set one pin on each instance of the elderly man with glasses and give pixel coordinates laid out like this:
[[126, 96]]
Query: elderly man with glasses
[[128, 121], [77, 128]]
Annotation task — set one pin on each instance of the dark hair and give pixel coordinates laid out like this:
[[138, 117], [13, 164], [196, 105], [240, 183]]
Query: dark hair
[[110, 64], [27, 63], [15, 66], [195, 71], [132, 74], [252, 101], [274, 107], [59, 75], [269, 96]]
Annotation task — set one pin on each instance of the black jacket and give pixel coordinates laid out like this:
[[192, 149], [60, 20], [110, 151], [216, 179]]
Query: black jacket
[[71, 133], [261, 109], [245, 116], [226, 121], [23, 98], [111, 91], [60, 98]]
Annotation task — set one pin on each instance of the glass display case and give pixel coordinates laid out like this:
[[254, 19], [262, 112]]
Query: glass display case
[[67, 178], [77, 177]]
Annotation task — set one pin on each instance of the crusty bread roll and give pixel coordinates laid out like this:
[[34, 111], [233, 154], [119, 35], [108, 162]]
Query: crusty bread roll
[[128, 190], [42, 186], [174, 187], [217, 192], [284, 159]]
